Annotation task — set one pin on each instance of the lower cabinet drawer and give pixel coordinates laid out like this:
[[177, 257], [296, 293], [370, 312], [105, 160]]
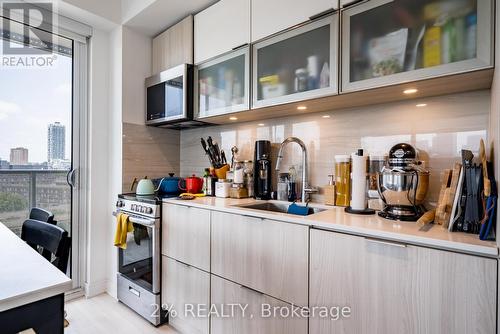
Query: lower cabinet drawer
[[240, 310], [185, 290], [265, 255], [186, 235]]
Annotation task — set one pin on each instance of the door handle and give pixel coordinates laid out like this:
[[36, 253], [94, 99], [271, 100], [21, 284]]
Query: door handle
[[70, 178]]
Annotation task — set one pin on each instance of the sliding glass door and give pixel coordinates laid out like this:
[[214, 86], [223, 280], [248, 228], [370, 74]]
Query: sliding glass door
[[41, 122]]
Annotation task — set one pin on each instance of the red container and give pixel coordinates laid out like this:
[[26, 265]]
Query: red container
[[194, 184]]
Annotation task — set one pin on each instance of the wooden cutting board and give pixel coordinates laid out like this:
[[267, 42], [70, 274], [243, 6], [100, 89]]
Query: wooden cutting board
[[443, 197], [445, 204]]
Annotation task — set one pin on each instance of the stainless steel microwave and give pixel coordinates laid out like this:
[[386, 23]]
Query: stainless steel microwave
[[170, 96]]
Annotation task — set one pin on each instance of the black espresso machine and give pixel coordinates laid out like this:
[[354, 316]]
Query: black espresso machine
[[262, 169]]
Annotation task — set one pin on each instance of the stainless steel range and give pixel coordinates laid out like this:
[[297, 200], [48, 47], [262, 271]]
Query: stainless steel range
[[139, 265]]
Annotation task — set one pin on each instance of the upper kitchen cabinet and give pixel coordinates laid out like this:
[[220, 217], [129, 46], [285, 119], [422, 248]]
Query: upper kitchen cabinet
[[270, 17], [387, 42], [220, 28], [174, 46], [222, 84], [296, 65]]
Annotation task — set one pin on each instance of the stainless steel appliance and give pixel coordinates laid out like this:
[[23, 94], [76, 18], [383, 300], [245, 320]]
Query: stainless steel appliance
[[170, 98], [139, 265], [403, 185]]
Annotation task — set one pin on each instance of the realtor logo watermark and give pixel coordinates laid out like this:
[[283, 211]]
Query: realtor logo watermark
[[28, 38]]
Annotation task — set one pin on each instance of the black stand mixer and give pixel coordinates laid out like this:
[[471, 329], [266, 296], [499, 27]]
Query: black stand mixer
[[403, 185]]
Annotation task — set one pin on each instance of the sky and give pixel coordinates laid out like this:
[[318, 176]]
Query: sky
[[30, 99]]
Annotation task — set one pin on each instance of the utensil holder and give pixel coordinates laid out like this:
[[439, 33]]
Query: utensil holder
[[221, 172]]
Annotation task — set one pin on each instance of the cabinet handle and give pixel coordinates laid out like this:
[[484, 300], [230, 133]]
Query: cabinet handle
[[184, 264], [349, 4], [252, 290], [323, 13], [258, 219], [240, 46], [386, 243]]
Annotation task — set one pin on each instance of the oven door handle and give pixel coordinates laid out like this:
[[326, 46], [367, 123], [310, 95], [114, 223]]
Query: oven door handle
[[137, 220]]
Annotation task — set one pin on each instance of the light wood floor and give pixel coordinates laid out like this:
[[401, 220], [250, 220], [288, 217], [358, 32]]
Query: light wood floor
[[104, 315]]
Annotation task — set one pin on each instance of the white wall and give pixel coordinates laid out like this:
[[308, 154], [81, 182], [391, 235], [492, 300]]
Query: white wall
[[98, 209], [131, 8], [495, 107], [136, 65], [114, 154], [108, 9]]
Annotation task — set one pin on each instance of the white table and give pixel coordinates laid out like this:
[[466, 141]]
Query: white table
[[31, 288]]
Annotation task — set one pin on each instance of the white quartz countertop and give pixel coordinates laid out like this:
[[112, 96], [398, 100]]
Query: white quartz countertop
[[25, 276], [335, 219]]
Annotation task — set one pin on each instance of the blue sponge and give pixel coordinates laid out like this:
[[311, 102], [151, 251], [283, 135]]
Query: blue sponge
[[295, 209]]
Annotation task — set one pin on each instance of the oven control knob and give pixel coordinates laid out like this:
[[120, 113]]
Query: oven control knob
[[143, 209], [138, 209], [132, 207], [149, 211], [120, 204]]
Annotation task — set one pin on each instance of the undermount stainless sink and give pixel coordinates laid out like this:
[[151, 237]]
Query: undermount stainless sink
[[276, 207]]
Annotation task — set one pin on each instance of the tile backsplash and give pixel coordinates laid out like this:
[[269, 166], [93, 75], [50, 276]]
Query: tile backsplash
[[438, 130], [148, 151]]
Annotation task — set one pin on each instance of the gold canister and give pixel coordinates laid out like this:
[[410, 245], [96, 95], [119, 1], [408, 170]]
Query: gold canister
[[342, 180]]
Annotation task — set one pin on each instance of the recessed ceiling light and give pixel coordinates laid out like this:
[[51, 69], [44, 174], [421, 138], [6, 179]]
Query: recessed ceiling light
[[232, 118], [261, 124], [410, 91], [421, 105], [301, 108], [326, 116]]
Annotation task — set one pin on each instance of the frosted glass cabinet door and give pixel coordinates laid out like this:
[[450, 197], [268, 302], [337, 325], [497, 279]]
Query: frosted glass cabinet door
[[296, 65], [222, 84], [387, 42]]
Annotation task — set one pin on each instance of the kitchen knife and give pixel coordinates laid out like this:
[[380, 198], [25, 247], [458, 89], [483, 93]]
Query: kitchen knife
[[217, 153], [208, 152], [223, 157]]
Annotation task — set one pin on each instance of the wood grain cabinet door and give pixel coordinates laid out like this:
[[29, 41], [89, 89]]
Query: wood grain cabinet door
[[174, 46], [186, 235], [186, 290], [265, 255], [251, 312], [396, 288]]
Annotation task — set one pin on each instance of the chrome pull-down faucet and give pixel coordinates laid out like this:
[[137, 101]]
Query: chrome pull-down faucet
[[306, 188]]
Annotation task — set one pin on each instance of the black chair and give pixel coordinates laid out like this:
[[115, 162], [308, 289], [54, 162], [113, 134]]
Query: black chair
[[42, 215], [53, 240]]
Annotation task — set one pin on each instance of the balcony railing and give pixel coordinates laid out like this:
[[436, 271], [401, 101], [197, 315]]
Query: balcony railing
[[20, 190]]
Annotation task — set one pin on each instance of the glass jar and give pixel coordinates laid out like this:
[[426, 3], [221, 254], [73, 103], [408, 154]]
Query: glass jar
[[343, 180], [239, 172], [282, 192], [238, 191]]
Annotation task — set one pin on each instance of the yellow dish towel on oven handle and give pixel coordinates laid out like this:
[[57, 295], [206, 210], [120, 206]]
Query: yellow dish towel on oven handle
[[123, 226]]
